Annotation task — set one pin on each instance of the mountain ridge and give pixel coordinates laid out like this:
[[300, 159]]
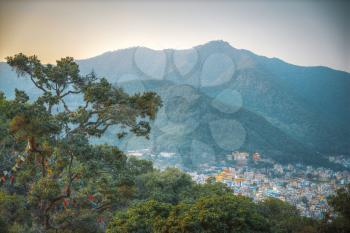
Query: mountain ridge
[[310, 105], [218, 42]]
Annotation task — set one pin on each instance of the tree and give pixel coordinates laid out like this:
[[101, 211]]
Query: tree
[[169, 186], [337, 220], [284, 218], [66, 180], [145, 217], [340, 202], [12, 212], [225, 213]]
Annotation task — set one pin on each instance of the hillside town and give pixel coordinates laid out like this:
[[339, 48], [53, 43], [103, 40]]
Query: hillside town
[[254, 176], [305, 187]]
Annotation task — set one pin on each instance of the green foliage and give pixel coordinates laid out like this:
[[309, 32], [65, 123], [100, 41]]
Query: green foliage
[[168, 186], [207, 190], [63, 181], [12, 211], [44, 189], [226, 213], [138, 166], [284, 218], [338, 221], [146, 217], [172, 186], [3, 226], [341, 202]]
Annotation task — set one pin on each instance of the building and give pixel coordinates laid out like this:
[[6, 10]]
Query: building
[[240, 157], [256, 156]]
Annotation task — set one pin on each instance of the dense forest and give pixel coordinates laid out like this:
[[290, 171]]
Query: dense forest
[[55, 180]]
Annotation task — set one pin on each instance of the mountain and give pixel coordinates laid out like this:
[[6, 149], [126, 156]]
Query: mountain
[[218, 99]]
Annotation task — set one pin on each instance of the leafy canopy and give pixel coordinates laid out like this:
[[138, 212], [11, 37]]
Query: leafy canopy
[[67, 184]]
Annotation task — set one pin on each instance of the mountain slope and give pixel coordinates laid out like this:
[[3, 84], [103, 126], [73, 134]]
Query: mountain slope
[[310, 104], [219, 99]]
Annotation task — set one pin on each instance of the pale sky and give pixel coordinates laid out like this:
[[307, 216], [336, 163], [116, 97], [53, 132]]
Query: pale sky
[[311, 32]]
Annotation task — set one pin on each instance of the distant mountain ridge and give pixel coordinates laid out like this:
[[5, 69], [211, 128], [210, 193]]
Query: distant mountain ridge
[[219, 99]]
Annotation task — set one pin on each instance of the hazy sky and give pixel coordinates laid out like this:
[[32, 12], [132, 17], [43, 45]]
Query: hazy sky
[[299, 32]]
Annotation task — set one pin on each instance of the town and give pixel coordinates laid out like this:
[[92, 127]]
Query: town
[[254, 176], [305, 187]]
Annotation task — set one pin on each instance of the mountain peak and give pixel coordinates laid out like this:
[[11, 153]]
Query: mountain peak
[[217, 43]]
